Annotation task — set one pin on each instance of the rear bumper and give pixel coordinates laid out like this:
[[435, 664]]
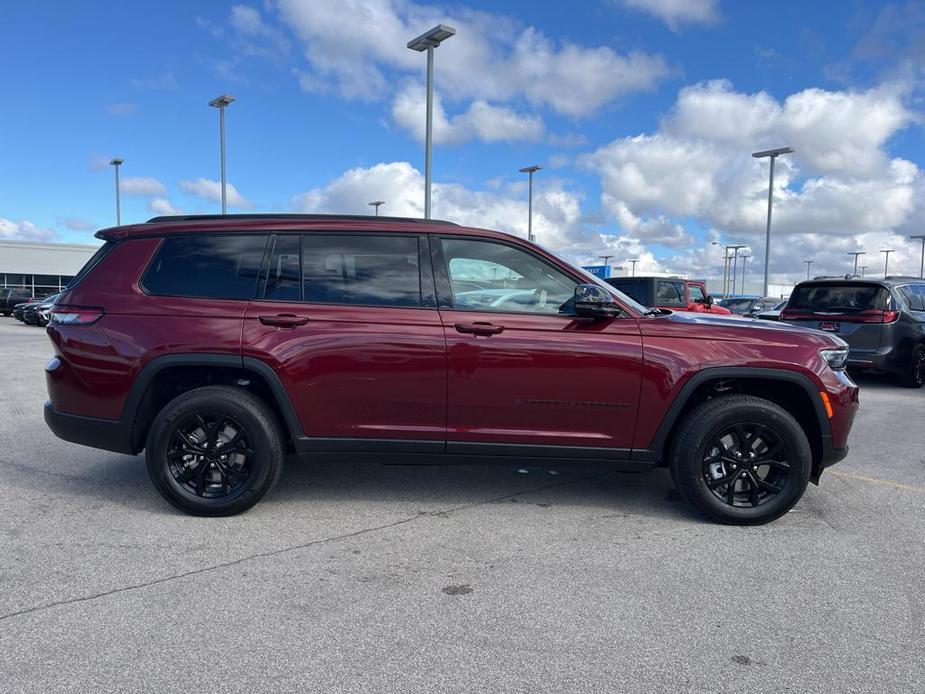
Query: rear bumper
[[883, 359], [108, 434]]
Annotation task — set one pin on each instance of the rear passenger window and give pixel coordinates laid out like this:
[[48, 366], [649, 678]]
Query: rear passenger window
[[371, 270], [914, 297], [283, 274], [209, 267]]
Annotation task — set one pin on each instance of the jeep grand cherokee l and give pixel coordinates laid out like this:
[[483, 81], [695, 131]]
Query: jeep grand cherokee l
[[217, 344]]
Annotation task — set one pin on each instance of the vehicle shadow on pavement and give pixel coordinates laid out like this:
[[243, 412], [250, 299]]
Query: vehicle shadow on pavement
[[104, 478]]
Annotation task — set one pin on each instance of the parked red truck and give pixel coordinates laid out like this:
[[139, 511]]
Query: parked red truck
[[218, 344]]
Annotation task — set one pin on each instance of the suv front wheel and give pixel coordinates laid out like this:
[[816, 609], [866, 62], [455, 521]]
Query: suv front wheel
[[741, 459], [214, 451]]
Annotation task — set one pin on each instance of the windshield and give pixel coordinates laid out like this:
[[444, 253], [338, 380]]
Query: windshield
[[839, 297]]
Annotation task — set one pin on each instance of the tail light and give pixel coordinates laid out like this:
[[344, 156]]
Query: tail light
[[75, 315], [872, 315]]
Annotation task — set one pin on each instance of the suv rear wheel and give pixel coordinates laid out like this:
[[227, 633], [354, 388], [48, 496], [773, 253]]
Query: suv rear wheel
[[741, 460], [214, 451], [915, 376]]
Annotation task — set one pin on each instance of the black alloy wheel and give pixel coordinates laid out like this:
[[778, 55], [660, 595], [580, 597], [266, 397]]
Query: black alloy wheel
[[745, 465], [210, 455]]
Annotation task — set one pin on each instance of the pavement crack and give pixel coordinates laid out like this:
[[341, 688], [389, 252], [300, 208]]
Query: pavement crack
[[291, 548]]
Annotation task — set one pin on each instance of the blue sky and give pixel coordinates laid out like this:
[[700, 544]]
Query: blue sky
[[642, 112]]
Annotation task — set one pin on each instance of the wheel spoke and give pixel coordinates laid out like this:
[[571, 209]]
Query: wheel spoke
[[719, 482], [201, 478], [752, 490], [187, 439], [188, 474], [731, 490], [766, 486]]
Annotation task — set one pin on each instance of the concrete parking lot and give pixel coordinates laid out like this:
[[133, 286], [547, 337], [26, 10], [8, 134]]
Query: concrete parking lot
[[353, 577]]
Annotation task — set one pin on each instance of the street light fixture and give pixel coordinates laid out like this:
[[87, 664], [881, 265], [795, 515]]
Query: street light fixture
[[922, 262], [116, 162], [605, 258], [725, 265], [221, 102], [856, 254], [809, 264], [634, 266], [376, 204], [886, 260], [428, 41], [773, 154], [530, 170]]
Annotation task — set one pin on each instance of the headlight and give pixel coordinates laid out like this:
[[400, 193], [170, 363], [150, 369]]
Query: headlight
[[836, 357]]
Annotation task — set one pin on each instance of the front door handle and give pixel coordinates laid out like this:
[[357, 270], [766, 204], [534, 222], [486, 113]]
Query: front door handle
[[283, 320], [479, 328]]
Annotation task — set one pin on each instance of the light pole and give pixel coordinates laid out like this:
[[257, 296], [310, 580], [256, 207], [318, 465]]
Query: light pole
[[744, 261], [856, 254], [886, 260], [773, 154], [376, 204], [605, 258], [221, 102], [634, 266], [922, 262], [530, 170], [863, 270], [428, 41], [735, 264], [725, 263], [809, 264], [116, 163]]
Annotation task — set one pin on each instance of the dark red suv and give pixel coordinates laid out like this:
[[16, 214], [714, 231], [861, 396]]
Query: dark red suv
[[218, 344]]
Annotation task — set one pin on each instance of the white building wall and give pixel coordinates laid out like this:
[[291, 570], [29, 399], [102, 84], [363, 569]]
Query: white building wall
[[35, 258]]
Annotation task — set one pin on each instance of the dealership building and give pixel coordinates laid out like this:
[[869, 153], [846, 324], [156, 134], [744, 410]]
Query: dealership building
[[43, 268]]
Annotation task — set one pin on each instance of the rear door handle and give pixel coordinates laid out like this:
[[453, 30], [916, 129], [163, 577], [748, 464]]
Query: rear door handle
[[283, 320], [479, 328]]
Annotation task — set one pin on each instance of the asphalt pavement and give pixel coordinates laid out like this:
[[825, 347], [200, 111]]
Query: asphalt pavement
[[355, 577]]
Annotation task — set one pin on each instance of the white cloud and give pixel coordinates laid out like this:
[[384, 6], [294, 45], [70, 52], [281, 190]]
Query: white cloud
[[165, 81], [481, 121], [163, 206], [212, 190], [677, 12], [24, 230], [840, 188], [142, 185], [492, 58]]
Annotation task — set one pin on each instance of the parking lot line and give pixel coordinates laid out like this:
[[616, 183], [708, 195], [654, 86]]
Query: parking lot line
[[875, 480]]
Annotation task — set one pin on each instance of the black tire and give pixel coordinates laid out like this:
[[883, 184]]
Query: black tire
[[214, 451], [718, 436], [915, 374], [5, 313]]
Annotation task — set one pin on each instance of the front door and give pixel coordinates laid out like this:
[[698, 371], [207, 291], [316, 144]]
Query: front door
[[349, 323], [525, 377]]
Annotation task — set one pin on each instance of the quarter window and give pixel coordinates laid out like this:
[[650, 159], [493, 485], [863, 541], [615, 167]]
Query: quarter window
[[488, 276], [371, 270], [211, 267]]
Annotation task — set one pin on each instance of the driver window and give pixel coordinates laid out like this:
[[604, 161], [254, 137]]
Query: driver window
[[697, 295], [488, 276]]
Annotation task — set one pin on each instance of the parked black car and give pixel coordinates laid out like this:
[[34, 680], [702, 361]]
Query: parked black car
[[9, 297], [772, 313], [882, 320], [18, 310], [749, 306], [37, 313]]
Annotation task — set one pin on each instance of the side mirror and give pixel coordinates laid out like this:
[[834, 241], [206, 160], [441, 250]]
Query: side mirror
[[594, 302], [709, 300]]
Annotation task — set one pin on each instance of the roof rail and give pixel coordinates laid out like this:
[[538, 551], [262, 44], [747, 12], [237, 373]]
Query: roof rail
[[286, 215], [904, 277]]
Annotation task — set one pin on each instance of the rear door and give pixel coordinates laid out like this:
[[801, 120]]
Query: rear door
[[524, 376], [855, 311], [349, 323]]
